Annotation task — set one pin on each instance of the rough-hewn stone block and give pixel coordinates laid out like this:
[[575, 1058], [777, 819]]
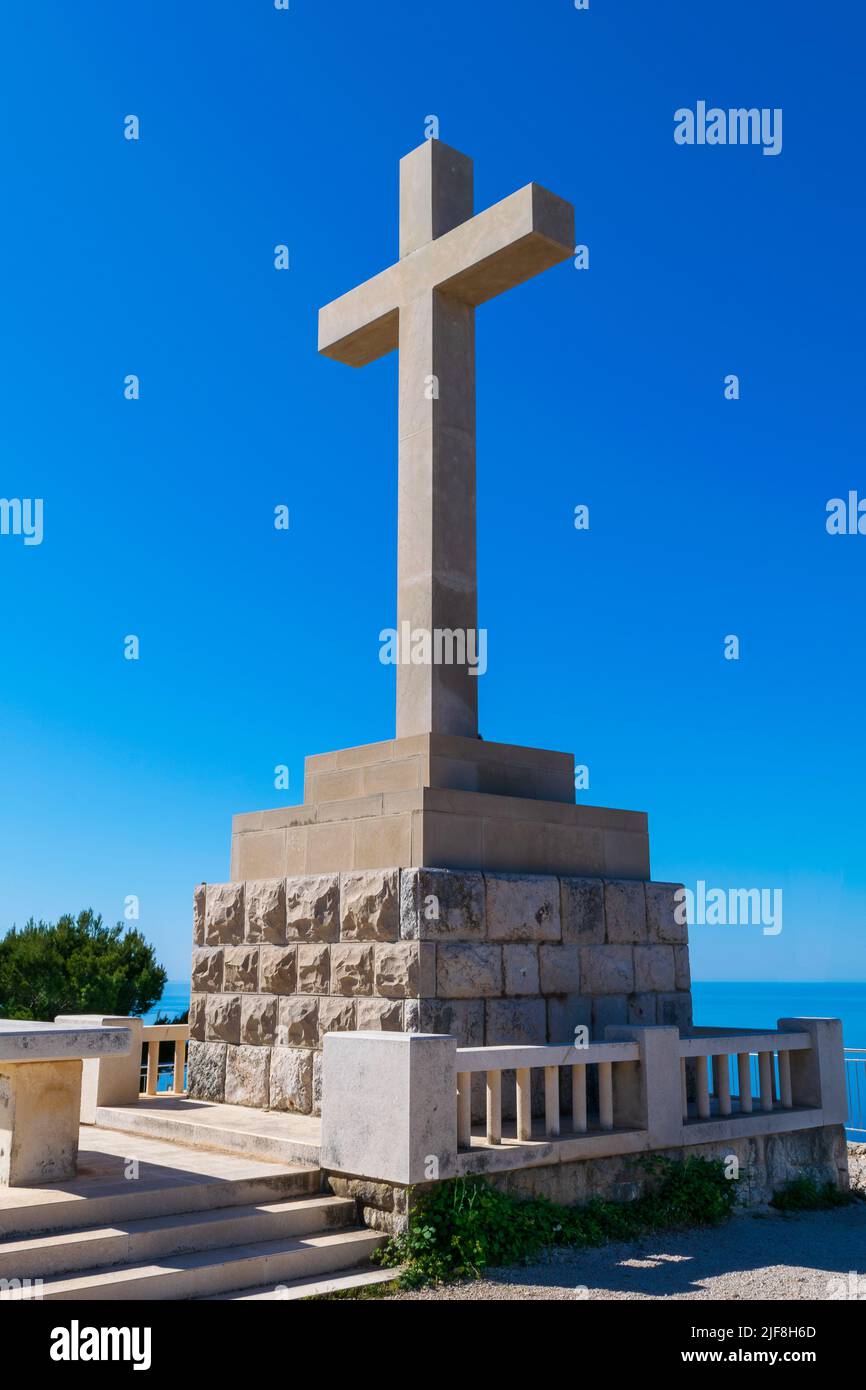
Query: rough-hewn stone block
[[565, 1014], [224, 914], [642, 1009], [317, 1083], [313, 908], [582, 908], [674, 1010], [464, 1018], [654, 969], [351, 969], [206, 1076], [608, 1009], [247, 1075], [441, 905], [207, 970], [370, 905], [624, 912], [560, 968], [386, 1014], [336, 1015], [241, 969], [607, 970], [314, 968], [467, 971], [198, 914], [522, 907], [515, 1021], [278, 969], [661, 907], [197, 1013], [291, 1079], [298, 1021], [520, 966], [265, 910], [259, 1021], [223, 1014], [404, 969], [682, 969]]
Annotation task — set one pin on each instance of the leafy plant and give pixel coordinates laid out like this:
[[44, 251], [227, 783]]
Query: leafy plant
[[804, 1194], [458, 1228], [77, 965]]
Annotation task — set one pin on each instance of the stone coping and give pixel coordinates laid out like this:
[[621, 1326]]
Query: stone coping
[[24, 1040]]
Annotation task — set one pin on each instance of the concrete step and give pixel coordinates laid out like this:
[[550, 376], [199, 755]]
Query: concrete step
[[136, 1242], [156, 1194], [214, 1271], [230, 1129], [307, 1288]]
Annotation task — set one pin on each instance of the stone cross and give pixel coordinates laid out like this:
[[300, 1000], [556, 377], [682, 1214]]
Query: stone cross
[[424, 304]]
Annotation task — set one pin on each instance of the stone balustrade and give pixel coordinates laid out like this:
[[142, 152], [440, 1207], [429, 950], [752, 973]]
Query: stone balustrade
[[152, 1036], [721, 1069], [397, 1108], [493, 1061]]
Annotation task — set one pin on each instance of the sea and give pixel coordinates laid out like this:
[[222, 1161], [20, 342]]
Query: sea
[[717, 1003]]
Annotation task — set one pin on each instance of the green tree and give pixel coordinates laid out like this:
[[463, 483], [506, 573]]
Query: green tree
[[77, 965]]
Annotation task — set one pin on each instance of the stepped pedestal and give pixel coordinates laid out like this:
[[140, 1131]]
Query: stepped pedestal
[[441, 801]]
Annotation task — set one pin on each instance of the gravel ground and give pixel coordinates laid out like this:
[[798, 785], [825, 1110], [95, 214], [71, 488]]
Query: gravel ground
[[764, 1256]]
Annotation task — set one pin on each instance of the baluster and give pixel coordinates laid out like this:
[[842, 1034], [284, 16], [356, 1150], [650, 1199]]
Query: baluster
[[179, 1066], [703, 1087], [152, 1069], [723, 1083], [744, 1076], [551, 1101], [494, 1107], [605, 1095], [765, 1069], [578, 1099], [785, 1079], [524, 1103], [464, 1109]]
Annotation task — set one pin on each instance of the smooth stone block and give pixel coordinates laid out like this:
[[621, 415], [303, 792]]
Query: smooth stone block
[[389, 1107]]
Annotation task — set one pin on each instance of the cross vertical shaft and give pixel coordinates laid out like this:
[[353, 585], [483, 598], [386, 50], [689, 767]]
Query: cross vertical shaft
[[424, 305], [436, 549]]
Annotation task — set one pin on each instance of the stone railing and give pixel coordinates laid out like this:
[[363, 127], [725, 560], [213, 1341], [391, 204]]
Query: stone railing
[[493, 1061], [721, 1071], [152, 1036], [111, 1081], [399, 1107]]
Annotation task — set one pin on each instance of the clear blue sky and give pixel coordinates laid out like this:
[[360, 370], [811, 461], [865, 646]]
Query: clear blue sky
[[605, 387]]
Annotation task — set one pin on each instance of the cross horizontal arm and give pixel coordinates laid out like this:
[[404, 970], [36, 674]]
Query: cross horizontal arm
[[508, 243]]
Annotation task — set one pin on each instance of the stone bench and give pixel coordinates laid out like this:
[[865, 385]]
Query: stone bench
[[40, 1095]]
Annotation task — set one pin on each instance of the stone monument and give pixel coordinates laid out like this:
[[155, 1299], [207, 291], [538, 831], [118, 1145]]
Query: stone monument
[[434, 882]]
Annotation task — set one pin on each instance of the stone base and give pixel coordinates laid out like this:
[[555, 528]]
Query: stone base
[[445, 802], [767, 1163], [489, 957], [39, 1119]]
